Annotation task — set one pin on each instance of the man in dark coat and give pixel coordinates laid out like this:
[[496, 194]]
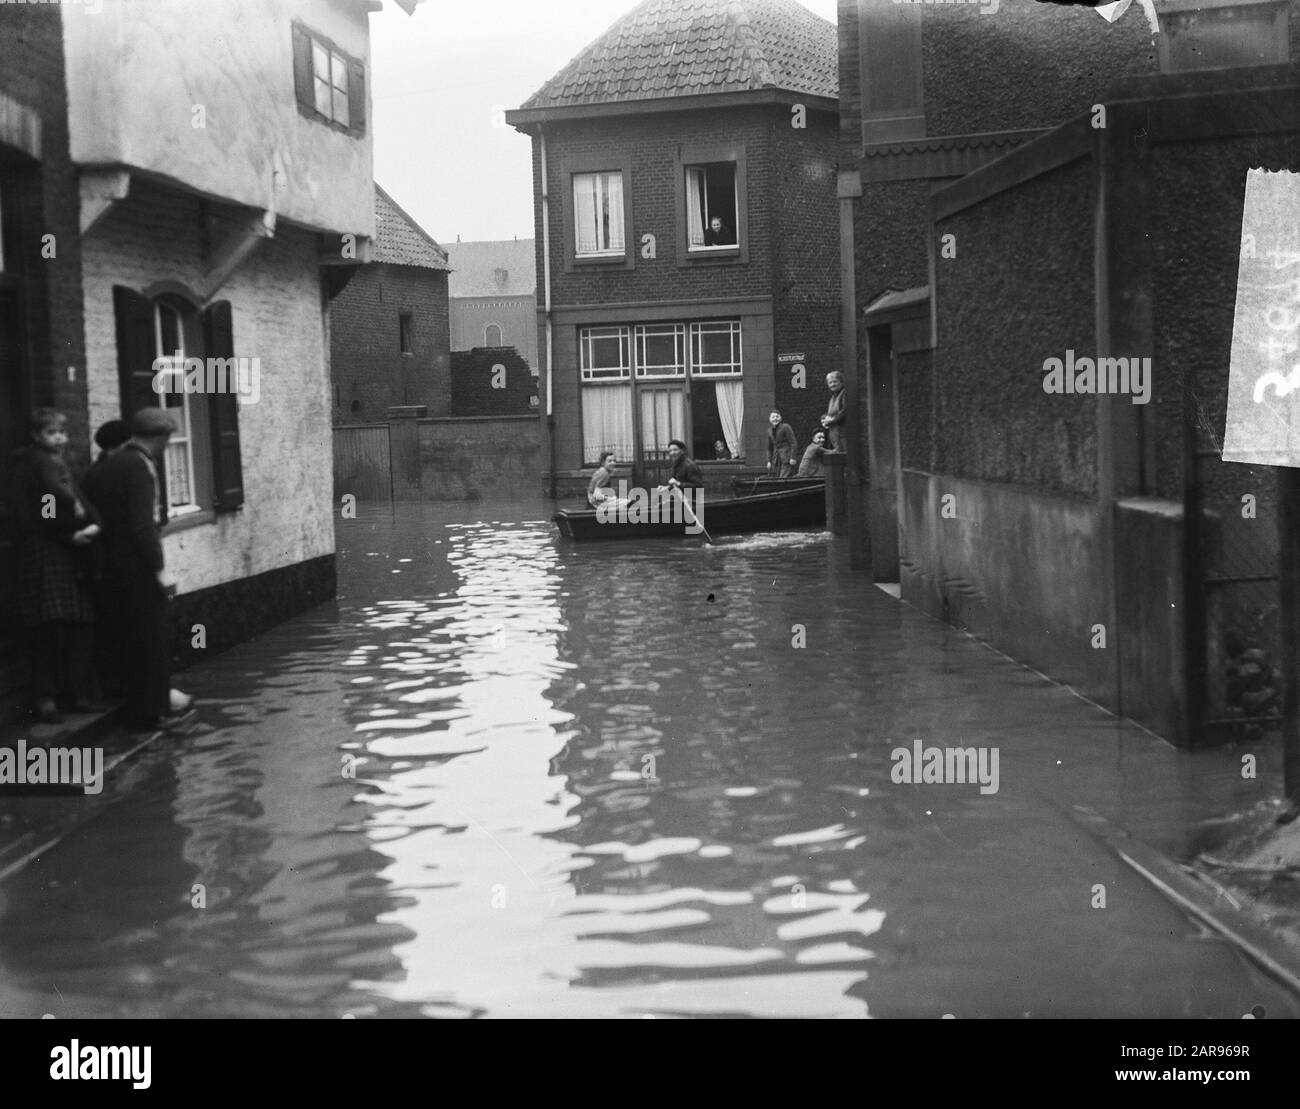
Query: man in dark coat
[[684, 471], [125, 489]]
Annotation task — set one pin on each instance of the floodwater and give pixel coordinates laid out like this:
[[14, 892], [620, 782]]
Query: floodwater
[[509, 775]]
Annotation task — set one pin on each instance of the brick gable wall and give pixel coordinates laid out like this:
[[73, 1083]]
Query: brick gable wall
[[369, 372]]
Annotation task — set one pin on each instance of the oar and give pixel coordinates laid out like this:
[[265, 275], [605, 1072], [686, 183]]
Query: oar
[[690, 516]]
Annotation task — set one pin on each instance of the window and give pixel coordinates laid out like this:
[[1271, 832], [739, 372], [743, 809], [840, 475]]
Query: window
[[661, 350], [606, 353], [492, 335], [598, 214], [202, 468], [711, 222], [329, 83], [715, 349], [178, 468], [404, 335], [612, 356]]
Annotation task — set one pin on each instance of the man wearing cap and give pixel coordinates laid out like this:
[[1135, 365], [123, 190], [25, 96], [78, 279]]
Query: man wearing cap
[[124, 487]]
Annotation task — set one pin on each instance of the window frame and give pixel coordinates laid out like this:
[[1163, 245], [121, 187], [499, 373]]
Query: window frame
[[305, 82], [587, 375], [569, 169], [191, 414], [736, 331], [633, 375], [692, 156], [660, 372], [406, 333]]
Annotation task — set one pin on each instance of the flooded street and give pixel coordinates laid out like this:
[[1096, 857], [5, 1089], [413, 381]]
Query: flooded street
[[509, 775]]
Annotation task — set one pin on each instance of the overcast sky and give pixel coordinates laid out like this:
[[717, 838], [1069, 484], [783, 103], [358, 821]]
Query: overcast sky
[[437, 77]]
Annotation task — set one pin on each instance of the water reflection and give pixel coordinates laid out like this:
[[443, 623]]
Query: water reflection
[[513, 776]]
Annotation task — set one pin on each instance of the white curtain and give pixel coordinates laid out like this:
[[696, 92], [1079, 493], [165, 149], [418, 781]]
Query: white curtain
[[615, 183], [606, 421], [731, 410], [695, 207], [663, 417], [584, 211]]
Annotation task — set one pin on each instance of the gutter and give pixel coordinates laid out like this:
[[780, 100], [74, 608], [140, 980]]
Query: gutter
[[550, 334]]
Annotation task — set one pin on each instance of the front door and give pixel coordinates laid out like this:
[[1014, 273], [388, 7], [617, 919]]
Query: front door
[[661, 412]]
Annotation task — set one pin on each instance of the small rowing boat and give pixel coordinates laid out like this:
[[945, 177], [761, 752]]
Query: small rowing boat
[[791, 508]]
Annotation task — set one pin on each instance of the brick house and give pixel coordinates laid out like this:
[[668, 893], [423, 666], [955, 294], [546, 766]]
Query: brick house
[[42, 337], [1024, 182], [389, 331], [652, 325], [154, 211], [493, 292]]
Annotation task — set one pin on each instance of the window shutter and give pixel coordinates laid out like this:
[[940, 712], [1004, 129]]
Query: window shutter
[[223, 414], [135, 349], [357, 96], [302, 84]]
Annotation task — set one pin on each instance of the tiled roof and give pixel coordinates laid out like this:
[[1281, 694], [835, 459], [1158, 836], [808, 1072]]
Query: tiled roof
[[474, 268], [667, 48], [402, 241]]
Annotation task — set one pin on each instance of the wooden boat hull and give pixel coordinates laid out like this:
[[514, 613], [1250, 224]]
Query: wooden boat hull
[[793, 508], [753, 486]]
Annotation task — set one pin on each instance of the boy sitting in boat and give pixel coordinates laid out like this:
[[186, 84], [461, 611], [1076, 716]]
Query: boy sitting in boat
[[598, 490], [685, 471]]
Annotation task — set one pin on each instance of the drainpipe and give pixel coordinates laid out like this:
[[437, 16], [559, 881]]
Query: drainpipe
[[546, 287]]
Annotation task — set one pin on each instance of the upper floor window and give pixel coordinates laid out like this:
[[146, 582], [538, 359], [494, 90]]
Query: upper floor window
[[598, 213], [330, 84], [492, 335], [405, 335], [605, 353], [711, 206]]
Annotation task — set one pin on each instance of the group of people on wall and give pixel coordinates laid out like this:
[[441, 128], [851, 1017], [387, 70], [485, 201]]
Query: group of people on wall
[[782, 448], [91, 588]]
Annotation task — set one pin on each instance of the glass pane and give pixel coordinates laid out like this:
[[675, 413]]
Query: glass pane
[[320, 62], [341, 108], [661, 351], [178, 474], [323, 98], [339, 72], [169, 331], [605, 352]]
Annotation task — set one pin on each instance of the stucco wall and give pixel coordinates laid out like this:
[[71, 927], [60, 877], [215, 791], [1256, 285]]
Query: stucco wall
[[1020, 569], [999, 322], [1198, 193], [285, 438], [516, 316], [136, 71], [479, 458]]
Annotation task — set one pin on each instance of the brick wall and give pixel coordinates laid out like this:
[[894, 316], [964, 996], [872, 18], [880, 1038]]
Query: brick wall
[[651, 144], [791, 243], [472, 392], [369, 372], [32, 73], [806, 265]]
